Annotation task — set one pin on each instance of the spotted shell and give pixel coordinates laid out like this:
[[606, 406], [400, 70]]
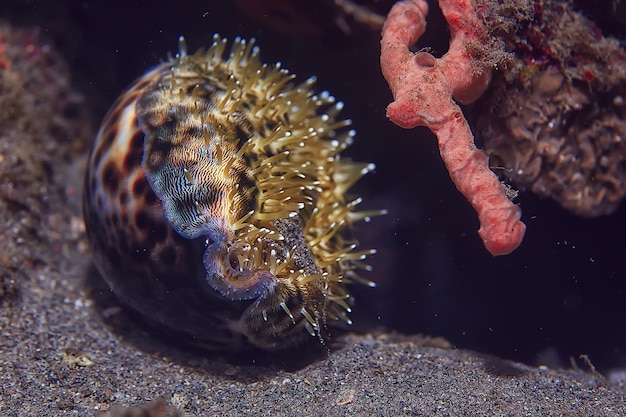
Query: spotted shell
[[215, 201]]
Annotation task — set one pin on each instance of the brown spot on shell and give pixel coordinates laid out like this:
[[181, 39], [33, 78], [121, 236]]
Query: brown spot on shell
[[111, 177], [140, 186]]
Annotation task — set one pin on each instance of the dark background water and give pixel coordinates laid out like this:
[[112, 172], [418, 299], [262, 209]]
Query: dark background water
[[561, 294]]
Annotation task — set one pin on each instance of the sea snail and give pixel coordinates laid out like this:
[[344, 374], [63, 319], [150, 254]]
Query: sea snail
[[215, 201]]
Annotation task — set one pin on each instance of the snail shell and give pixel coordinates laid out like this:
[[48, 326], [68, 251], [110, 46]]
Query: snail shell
[[215, 201]]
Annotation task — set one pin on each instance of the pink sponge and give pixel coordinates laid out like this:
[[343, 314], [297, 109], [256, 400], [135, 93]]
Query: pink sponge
[[424, 89]]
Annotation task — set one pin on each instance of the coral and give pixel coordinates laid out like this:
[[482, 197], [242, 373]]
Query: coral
[[315, 17], [425, 89], [554, 115]]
